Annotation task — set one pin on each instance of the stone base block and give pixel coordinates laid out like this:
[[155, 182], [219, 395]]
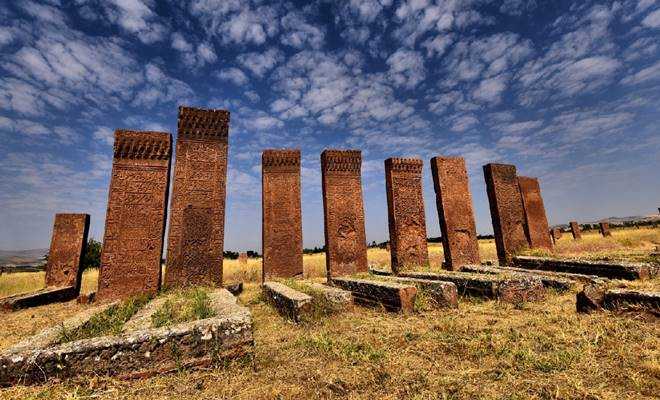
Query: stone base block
[[336, 296], [391, 296], [611, 270], [598, 297], [444, 294], [289, 303], [38, 298], [555, 282]]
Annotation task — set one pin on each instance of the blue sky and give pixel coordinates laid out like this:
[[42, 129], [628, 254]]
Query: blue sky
[[567, 91]]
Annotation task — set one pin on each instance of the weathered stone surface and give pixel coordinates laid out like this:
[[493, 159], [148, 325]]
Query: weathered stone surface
[[138, 353], [86, 298], [611, 270], [334, 295], [235, 288], [558, 283], [197, 215], [290, 303], [510, 289], [604, 228], [632, 300], [443, 294], [343, 212], [135, 219], [536, 222], [67, 247], [242, 258], [556, 234], [38, 298], [506, 210], [281, 214], [590, 298], [454, 203], [391, 296], [575, 230], [405, 206]]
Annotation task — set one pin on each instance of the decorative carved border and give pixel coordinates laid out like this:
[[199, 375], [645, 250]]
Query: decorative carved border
[[147, 145], [412, 165], [341, 161], [203, 124]]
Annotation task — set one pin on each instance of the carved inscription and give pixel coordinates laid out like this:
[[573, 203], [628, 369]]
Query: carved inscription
[[506, 210], [200, 173], [455, 213], [536, 222], [281, 214], [343, 211], [67, 248], [405, 203], [135, 219]]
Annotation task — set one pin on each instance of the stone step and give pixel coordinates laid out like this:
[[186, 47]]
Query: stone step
[[390, 295], [444, 294], [38, 298], [290, 303], [606, 269], [559, 283]]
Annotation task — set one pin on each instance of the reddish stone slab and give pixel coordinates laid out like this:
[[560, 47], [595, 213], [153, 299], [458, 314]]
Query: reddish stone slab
[[67, 248], [506, 210], [536, 222], [137, 210], [281, 214], [405, 206], [197, 214], [575, 230], [455, 213], [343, 212], [242, 258], [556, 234], [604, 228]]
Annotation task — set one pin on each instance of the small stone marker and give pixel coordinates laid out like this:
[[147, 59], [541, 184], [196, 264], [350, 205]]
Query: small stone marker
[[135, 220], [242, 258], [196, 231], [536, 222], [443, 294], [506, 210], [556, 234], [405, 206], [596, 297], [604, 229], [67, 248], [289, 303], [454, 203], [281, 214], [575, 230], [391, 296], [605, 269], [343, 212]]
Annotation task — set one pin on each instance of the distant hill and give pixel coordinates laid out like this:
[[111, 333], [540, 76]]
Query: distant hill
[[636, 219], [19, 257]]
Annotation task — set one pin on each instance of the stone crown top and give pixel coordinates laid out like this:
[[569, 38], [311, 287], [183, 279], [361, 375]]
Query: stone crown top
[[341, 160], [131, 144], [202, 124], [280, 158], [527, 180], [404, 164], [438, 159]]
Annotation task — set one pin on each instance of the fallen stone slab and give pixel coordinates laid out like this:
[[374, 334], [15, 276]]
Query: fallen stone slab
[[611, 270], [38, 298], [566, 275], [555, 282], [134, 354], [288, 302], [336, 296], [389, 295], [373, 270], [598, 297], [443, 294], [509, 289]]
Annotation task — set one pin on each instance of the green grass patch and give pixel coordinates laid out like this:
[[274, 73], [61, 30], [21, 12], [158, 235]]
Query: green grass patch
[[187, 305], [108, 322]]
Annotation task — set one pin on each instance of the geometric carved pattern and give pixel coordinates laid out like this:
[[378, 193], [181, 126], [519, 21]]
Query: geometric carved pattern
[[197, 214], [575, 230], [281, 214], [343, 212], [536, 222], [454, 203], [506, 210], [135, 219], [405, 204], [66, 250]]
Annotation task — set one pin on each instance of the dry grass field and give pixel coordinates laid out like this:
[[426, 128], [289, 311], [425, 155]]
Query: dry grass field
[[485, 349]]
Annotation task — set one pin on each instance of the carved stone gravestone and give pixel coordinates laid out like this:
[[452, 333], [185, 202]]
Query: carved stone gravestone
[[67, 248], [536, 222], [575, 230], [604, 229]]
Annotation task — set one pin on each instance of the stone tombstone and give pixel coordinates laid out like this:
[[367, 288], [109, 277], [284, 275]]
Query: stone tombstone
[[135, 219], [67, 248], [604, 229], [405, 206], [506, 210], [343, 212], [242, 258], [197, 213], [575, 230], [556, 234], [455, 213], [536, 222], [281, 214]]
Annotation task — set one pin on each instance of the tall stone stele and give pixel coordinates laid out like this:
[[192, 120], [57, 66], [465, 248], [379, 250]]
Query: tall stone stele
[[575, 230], [67, 248], [343, 212], [197, 213], [281, 214], [556, 234], [136, 215], [506, 210], [405, 206], [455, 213], [536, 222], [604, 228]]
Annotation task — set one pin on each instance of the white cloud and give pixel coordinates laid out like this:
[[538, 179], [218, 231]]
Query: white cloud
[[490, 90], [193, 55], [406, 68], [645, 75], [105, 135], [234, 75], [261, 62], [298, 33], [161, 88], [652, 20]]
